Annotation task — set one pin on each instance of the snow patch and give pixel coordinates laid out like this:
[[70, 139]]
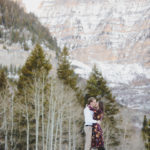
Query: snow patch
[[13, 76], [113, 73], [121, 73], [81, 69]]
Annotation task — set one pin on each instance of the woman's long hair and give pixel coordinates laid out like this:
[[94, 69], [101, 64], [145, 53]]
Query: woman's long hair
[[101, 106]]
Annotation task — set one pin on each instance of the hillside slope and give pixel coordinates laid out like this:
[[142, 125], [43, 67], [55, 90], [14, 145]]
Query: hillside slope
[[17, 26]]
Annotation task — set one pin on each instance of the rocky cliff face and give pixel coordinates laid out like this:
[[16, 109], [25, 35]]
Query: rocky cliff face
[[114, 34], [106, 30]]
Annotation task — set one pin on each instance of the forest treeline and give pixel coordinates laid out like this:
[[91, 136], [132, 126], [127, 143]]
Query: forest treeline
[[41, 110], [19, 26], [45, 111]]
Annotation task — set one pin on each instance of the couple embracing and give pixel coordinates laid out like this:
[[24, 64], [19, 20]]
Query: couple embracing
[[93, 114]]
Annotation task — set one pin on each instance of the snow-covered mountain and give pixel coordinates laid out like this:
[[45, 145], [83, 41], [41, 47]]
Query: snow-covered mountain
[[114, 34], [106, 30]]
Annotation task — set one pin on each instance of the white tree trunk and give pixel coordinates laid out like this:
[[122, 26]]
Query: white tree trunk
[[74, 134], [124, 137], [12, 120], [48, 124], [43, 125], [5, 124], [107, 137], [52, 125], [37, 112], [56, 133], [60, 132], [69, 114], [60, 125], [28, 126]]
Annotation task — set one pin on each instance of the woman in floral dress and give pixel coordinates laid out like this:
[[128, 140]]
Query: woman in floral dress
[[97, 133]]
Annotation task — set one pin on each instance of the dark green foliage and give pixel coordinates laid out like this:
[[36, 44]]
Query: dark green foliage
[[146, 132], [80, 96], [65, 71], [15, 36], [10, 72], [33, 39], [145, 124], [35, 65], [25, 46], [97, 87], [13, 17], [3, 80], [5, 68], [147, 144], [1, 33]]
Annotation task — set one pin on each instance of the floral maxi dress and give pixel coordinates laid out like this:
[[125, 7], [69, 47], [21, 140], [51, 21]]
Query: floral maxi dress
[[97, 133]]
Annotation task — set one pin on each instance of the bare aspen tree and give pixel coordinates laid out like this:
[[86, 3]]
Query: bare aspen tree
[[61, 124], [6, 129], [74, 133], [51, 120], [12, 120], [35, 103], [107, 134], [56, 133], [69, 126], [47, 129], [48, 118], [124, 136], [5, 122], [28, 126], [43, 124], [4, 96], [37, 110], [55, 121], [55, 118], [60, 132], [52, 123], [59, 97]]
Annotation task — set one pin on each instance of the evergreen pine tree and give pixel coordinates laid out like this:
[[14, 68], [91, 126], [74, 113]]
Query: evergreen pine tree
[[35, 66], [30, 89], [65, 71], [97, 87], [145, 123]]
